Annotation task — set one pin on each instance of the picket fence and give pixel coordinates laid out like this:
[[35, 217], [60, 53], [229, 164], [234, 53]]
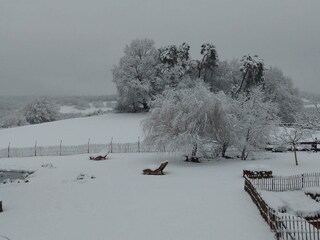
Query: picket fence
[[287, 183], [61, 150], [284, 226]]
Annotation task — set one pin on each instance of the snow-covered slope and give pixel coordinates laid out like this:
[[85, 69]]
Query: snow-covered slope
[[100, 129]]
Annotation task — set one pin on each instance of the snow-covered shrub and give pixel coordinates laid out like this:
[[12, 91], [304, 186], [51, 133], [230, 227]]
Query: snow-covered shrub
[[14, 119], [41, 110]]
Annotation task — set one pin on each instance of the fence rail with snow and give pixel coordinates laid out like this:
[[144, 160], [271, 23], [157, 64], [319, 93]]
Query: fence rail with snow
[[285, 226], [61, 150]]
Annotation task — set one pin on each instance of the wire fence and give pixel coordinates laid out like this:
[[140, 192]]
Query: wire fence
[[61, 150], [285, 226]]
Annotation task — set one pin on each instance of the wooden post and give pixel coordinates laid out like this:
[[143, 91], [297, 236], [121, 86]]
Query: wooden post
[[138, 144], [35, 149], [89, 145], [111, 145], [60, 147], [9, 150], [1, 210]]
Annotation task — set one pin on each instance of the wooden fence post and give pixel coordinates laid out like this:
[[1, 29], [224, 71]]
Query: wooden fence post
[[138, 144], [60, 147], [111, 145], [9, 150], [89, 145]]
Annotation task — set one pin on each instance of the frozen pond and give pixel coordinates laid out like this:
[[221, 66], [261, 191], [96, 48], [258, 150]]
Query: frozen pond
[[13, 175]]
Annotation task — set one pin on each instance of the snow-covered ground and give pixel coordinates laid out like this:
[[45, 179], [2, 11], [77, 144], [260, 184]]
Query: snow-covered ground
[[192, 201], [124, 128], [115, 201]]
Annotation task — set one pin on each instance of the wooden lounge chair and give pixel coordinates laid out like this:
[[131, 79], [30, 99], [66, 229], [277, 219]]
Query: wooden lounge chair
[[97, 158], [158, 171]]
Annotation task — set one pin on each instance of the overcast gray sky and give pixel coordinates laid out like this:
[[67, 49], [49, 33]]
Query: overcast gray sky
[[69, 46]]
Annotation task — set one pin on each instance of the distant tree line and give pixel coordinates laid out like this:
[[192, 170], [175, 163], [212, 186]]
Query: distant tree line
[[205, 102]]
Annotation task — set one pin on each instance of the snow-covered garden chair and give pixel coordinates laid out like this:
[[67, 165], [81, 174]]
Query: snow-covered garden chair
[[99, 157], [158, 171]]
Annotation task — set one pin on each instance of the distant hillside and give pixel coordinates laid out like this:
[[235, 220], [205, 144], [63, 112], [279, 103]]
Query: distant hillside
[[122, 127]]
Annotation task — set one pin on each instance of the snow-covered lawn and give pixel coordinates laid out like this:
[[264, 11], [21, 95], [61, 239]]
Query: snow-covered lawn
[[122, 127], [192, 201]]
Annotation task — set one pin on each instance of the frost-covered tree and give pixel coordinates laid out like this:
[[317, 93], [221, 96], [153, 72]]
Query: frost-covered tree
[[135, 75], [208, 62], [222, 128], [294, 133], [40, 111], [227, 77], [279, 89], [252, 72], [182, 119], [253, 120], [174, 65]]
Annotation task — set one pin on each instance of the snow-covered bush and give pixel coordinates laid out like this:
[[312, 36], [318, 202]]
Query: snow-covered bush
[[14, 119], [41, 110]]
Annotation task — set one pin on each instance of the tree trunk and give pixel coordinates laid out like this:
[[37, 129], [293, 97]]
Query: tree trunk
[[295, 154], [145, 105], [194, 150], [224, 149], [243, 154]]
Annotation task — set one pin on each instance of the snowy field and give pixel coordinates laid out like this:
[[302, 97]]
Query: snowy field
[[106, 106], [115, 201], [192, 201], [124, 128]]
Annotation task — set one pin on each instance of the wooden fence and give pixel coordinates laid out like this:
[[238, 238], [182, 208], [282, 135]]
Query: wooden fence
[[61, 150], [289, 183], [285, 226]]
